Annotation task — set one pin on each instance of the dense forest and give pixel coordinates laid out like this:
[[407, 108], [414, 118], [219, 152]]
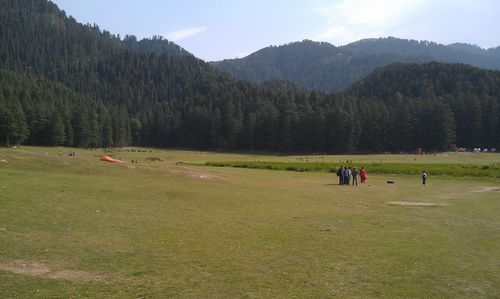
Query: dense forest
[[454, 53], [467, 98], [41, 112], [64, 83], [322, 66]]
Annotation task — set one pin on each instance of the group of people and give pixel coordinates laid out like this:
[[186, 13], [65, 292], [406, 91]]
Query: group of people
[[346, 175]]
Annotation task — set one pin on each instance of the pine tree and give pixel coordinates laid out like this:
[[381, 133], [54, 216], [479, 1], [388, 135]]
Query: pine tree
[[6, 124], [56, 128], [135, 127], [107, 131], [81, 129]]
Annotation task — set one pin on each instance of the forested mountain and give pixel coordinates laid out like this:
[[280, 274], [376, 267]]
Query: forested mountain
[[311, 65], [65, 83], [455, 53], [409, 47], [322, 66]]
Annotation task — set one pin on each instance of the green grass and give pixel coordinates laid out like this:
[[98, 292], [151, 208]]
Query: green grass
[[454, 170], [159, 230]]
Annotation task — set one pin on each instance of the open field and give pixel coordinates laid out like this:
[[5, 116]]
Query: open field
[[78, 227]]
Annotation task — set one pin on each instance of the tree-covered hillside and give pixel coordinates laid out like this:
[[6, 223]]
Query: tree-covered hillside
[[470, 99], [65, 83], [322, 66], [311, 65], [42, 112], [455, 53]]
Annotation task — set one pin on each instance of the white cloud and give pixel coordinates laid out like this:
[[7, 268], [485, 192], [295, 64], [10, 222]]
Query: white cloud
[[185, 33], [350, 20], [343, 34]]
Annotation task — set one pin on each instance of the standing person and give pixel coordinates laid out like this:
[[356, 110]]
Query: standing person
[[355, 174], [363, 175], [340, 175], [424, 177], [344, 176], [349, 173]]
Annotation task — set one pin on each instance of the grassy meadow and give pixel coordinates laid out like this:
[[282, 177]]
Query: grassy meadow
[[173, 226]]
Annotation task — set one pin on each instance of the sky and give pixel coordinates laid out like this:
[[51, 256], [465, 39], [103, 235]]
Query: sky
[[222, 29]]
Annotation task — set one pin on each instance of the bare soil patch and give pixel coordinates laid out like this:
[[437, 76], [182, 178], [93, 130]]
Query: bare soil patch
[[154, 159], [33, 268], [416, 204], [195, 175]]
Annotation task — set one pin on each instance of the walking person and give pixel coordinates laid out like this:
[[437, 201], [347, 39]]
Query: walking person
[[424, 177], [355, 174], [363, 175]]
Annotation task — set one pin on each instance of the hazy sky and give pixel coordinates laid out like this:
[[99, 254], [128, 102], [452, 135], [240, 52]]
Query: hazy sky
[[218, 29]]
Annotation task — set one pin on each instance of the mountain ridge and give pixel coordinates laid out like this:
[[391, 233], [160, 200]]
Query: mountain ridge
[[323, 66]]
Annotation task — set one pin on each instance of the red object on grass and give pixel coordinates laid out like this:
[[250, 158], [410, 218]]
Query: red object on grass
[[109, 159]]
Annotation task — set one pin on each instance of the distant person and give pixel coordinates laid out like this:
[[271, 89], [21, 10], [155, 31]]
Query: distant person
[[344, 176], [355, 174], [424, 177], [362, 175], [349, 174], [340, 175]]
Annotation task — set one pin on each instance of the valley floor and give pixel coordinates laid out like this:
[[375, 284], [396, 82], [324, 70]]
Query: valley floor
[[79, 227]]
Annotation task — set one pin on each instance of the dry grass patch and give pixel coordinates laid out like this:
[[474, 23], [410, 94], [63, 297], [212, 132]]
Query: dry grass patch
[[487, 189], [33, 268], [195, 175], [416, 204]]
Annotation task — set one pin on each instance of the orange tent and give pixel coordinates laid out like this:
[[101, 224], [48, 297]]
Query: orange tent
[[109, 159]]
